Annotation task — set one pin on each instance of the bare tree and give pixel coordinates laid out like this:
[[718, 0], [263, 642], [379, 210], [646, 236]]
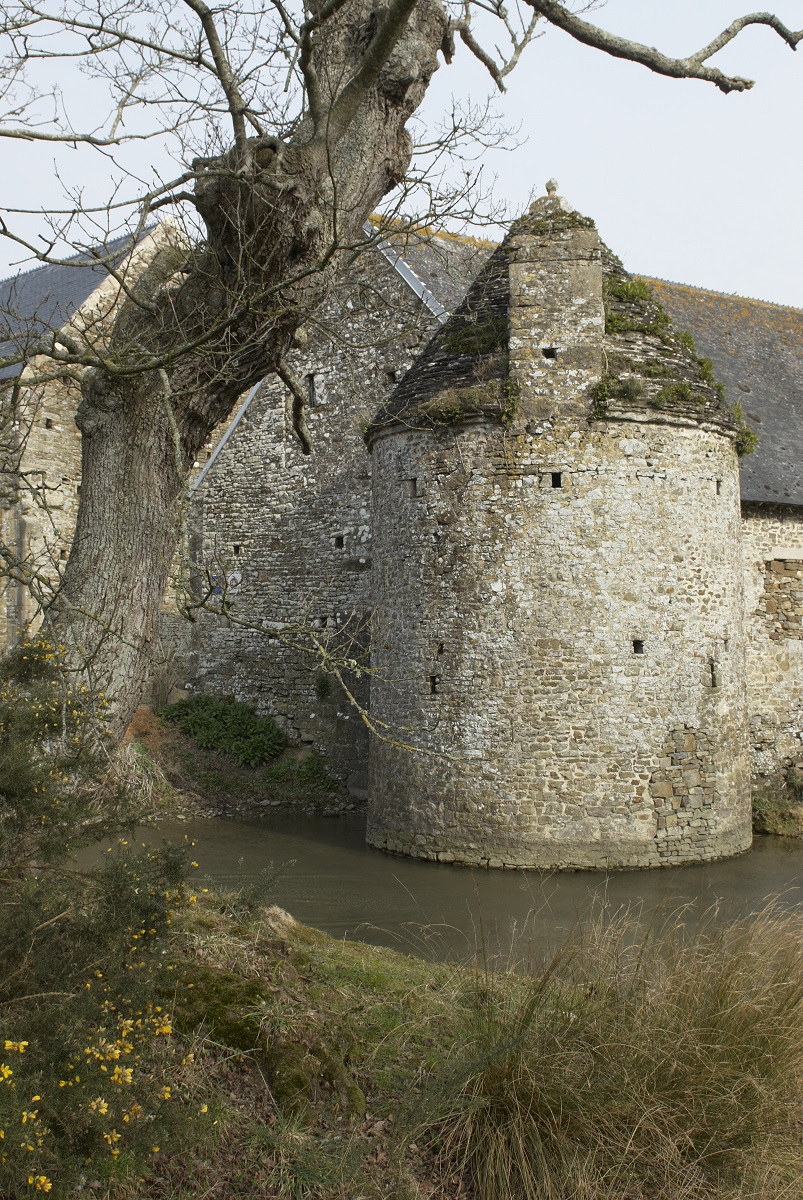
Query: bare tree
[[290, 126]]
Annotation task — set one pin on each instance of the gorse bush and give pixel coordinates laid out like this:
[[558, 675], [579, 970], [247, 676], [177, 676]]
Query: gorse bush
[[227, 727], [92, 1081], [645, 1067], [58, 786], [91, 1077]]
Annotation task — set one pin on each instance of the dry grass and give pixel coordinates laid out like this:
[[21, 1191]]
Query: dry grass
[[657, 1066]]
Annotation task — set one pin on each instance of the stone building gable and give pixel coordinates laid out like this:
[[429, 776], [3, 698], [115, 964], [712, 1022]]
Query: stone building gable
[[40, 446], [45, 299], [295, 528]]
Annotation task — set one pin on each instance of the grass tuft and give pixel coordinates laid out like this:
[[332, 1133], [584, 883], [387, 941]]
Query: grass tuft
[[657, 1066]]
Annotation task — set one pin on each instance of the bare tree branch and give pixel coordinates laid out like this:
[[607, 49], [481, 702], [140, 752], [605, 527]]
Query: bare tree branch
[[692, 67]]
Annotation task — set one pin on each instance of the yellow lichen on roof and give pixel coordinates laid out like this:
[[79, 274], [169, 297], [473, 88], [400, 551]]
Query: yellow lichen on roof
[[396, 224]]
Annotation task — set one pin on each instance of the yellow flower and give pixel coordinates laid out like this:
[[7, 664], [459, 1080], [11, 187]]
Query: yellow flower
[[40, 1182], [5, 1071], [165, 1093], [18, 1046], [204, 1108], [99, 1105], [112, 1136]]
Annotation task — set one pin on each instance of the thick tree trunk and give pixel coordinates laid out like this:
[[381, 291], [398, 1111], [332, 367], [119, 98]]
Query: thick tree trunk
[[192, 339], [107, 611]]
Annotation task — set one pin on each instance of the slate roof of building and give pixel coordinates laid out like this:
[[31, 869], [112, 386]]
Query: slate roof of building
[[757, 352], [45, 298], [461, 370], [756, 347]]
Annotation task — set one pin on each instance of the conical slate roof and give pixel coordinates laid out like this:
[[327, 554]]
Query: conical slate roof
[[463, 372]]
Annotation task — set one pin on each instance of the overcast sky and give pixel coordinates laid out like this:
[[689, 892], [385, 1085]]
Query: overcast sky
[[685, 183]]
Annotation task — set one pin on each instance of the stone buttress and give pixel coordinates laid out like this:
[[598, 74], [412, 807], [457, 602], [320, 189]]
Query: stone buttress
[[558, 651]]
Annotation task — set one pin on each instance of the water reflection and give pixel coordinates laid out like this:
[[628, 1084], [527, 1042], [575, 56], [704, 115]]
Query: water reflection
[[338, 884]]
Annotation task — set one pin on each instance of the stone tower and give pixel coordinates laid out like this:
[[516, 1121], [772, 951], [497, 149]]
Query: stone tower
[[558, 664]]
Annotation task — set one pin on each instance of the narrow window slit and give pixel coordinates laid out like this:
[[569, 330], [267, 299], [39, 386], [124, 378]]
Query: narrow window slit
[[311, 391], [638, 646], [557, 479], [48, 422], [434, 683], [719, 487], [340, 541], [440, 648], [236, 548], [549, 351], [712, 666]]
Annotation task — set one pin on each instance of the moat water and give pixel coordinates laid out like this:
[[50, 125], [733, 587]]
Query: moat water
[[330, 879]]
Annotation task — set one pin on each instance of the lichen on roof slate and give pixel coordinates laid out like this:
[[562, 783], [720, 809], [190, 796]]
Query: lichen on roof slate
[[463, 371]]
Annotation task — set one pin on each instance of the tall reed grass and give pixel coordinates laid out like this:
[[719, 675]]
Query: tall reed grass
[[664, 1064]]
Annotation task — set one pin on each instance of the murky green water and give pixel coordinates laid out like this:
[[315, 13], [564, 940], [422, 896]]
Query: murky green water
[[339, 885]]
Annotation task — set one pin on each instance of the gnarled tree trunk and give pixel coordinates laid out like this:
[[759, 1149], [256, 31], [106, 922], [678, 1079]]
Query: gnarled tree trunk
[[190, 340]]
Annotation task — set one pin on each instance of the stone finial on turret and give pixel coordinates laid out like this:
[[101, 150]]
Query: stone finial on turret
[[551, 200]]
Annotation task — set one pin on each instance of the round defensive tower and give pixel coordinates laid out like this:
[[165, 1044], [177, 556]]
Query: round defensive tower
[[558, 658]]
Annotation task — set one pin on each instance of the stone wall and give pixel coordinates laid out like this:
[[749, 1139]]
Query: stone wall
[[298, 528], [555, 611], [38, 516], [773, 574]]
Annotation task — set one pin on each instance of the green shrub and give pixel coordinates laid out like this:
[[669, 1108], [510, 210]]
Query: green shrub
[[227, 727], [93, 1082], [746, 438], [58, 786], [298, 779], [648, 1066], [628, 289], [685, 338]]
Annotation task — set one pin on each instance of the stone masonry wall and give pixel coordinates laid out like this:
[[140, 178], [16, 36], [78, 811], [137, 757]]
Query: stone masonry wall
[[556, 611], [38, 518], [773, 572], [298, 528]]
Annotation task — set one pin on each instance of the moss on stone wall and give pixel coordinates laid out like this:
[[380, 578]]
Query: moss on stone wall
[[478, 337]]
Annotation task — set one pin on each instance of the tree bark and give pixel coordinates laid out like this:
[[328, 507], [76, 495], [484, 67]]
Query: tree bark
[[196, 333]]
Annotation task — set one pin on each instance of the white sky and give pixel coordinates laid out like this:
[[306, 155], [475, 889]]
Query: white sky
[[684, 182]]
